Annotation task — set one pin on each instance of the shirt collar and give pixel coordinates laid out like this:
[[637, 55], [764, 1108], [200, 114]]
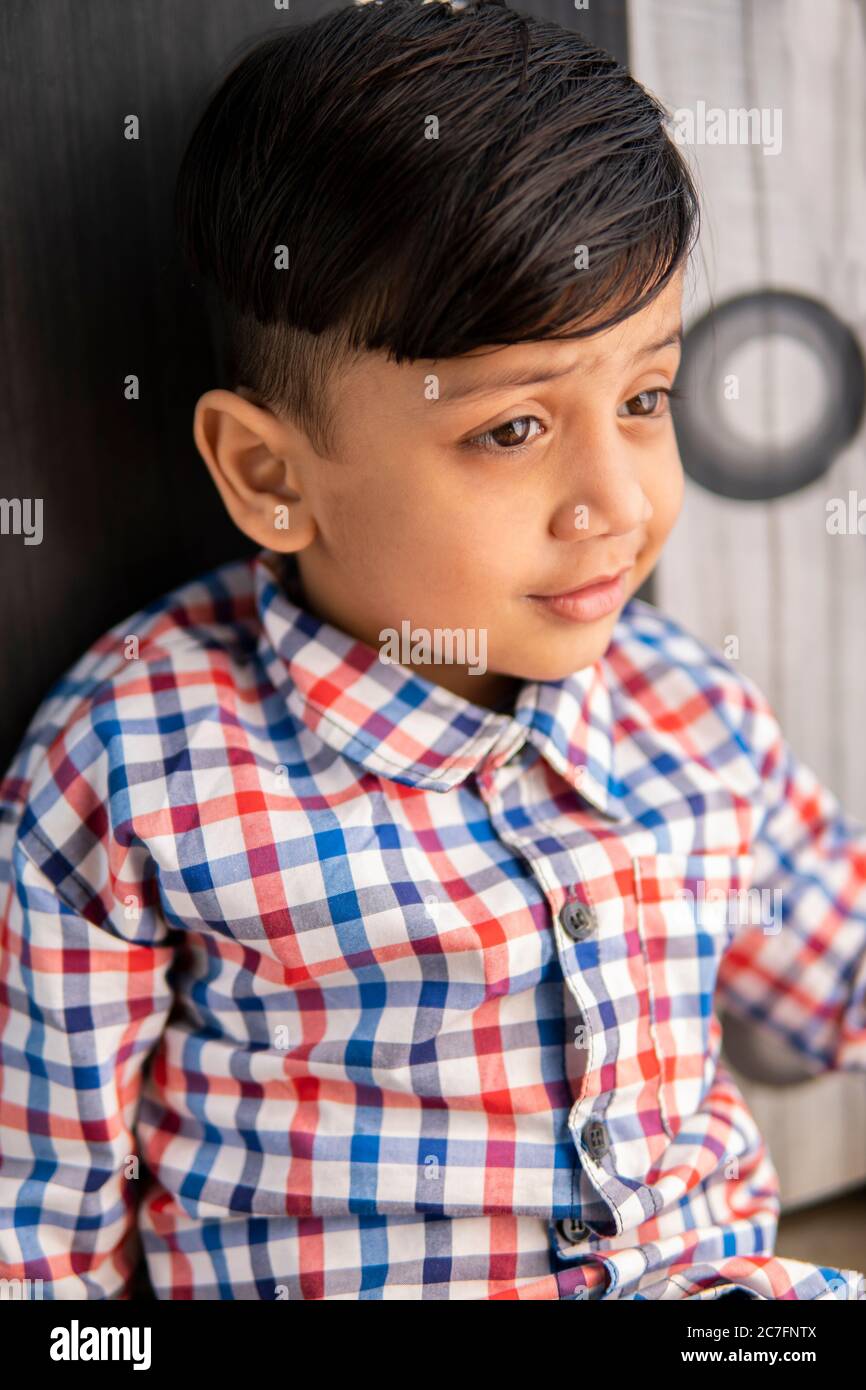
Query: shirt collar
[[395, 723]]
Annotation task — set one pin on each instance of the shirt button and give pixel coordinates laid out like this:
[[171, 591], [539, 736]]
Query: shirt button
[[595, 1137], [578, 921], [573, 1231]]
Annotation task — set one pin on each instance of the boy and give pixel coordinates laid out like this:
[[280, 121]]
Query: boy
[[367, 901]]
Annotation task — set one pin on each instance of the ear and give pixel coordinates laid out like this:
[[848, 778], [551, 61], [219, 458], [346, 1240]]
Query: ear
[[257, 462]]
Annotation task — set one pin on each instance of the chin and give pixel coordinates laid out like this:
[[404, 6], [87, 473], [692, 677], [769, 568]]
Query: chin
[[553, 666]]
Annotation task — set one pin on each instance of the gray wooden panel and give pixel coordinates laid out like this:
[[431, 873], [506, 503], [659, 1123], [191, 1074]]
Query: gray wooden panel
[[768, 573]]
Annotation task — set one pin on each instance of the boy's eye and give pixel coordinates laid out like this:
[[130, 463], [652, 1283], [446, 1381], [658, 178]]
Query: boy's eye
[[656, 393], [511, 437]]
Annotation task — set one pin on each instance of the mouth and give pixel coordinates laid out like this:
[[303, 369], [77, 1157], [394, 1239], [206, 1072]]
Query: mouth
[[594, 599], [598, 582]]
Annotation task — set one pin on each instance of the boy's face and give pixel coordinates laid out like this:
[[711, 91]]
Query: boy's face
[[412, 521]]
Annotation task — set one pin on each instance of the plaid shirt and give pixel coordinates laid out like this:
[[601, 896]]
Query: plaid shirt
[[319, 981]]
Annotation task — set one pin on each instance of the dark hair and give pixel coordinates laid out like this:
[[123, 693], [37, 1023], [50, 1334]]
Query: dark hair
[[319, 140]]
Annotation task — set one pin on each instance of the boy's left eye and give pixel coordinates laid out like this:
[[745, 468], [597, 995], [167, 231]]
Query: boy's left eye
[[667, 393]]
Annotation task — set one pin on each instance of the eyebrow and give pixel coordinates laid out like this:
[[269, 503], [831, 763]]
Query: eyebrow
[[533, 378]]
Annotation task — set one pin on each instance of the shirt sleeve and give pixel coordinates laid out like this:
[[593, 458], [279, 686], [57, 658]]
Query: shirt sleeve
[[84, 996], [797, 966]]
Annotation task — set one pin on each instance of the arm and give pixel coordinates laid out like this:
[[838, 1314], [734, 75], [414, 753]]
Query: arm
[[83, 998], [802, 976]]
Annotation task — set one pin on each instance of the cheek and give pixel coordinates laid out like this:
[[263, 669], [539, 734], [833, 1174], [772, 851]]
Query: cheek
[[665, 488], [429, 524], [361, 510], [410, 536]]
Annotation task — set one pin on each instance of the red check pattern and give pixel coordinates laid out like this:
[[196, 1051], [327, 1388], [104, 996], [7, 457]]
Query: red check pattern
[[319, 981]]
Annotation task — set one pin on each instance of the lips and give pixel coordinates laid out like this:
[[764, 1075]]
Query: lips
[[587, 584]]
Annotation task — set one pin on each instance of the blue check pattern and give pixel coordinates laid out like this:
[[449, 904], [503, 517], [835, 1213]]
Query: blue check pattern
[[318, 981]]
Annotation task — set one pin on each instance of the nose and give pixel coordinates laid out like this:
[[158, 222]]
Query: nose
[[607, 500]]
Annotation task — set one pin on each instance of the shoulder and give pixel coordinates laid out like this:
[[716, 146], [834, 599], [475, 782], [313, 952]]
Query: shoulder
[[666, 679], [160, 669]]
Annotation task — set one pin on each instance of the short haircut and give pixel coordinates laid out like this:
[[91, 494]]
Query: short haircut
[[432, 172]]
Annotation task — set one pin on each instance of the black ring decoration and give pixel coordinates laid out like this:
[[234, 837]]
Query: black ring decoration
[[721, 461]]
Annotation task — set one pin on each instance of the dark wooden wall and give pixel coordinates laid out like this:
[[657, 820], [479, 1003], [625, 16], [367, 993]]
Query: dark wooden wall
[[93, 291]]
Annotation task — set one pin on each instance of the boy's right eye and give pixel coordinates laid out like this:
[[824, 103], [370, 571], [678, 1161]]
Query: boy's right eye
[[506, 444]]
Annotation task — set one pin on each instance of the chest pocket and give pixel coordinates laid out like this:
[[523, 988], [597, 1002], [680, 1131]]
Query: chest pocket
[[688, 909]]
